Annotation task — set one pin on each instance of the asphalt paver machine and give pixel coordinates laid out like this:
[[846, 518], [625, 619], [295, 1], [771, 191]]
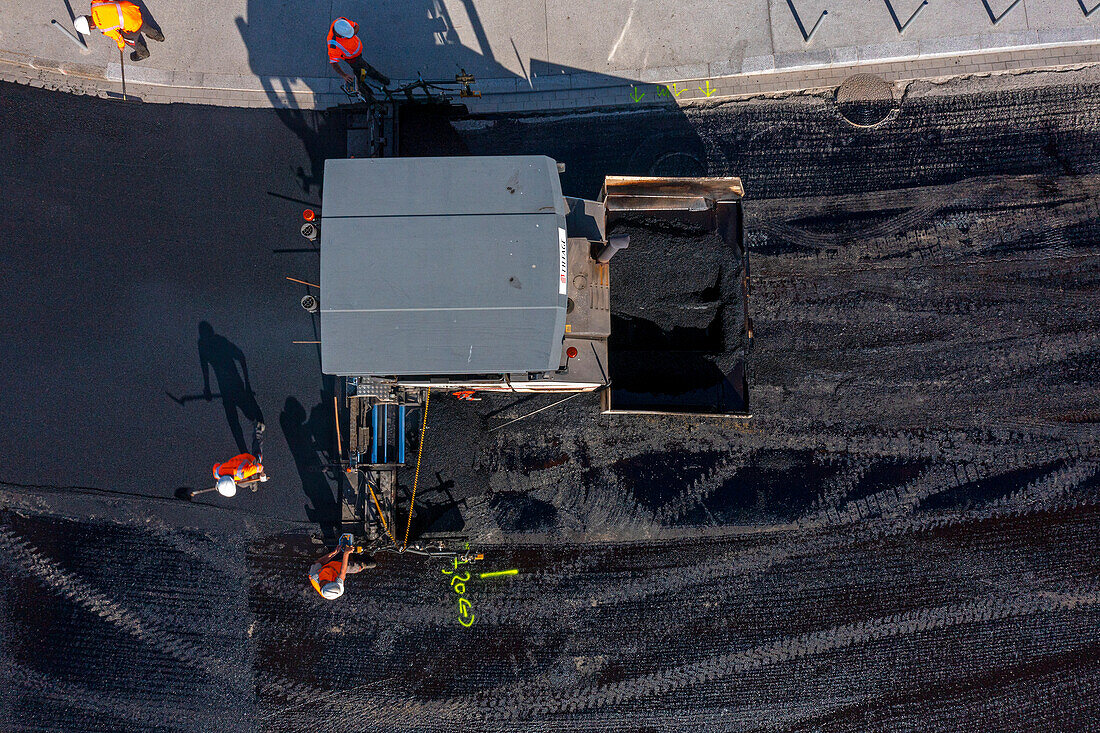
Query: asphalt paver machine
[[476, 274]]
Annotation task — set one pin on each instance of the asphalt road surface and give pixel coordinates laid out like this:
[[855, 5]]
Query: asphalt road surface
[[150, 245], [903, 537]]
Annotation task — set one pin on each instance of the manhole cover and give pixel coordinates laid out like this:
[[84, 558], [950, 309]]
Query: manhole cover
[[677, 164], [865, 99]]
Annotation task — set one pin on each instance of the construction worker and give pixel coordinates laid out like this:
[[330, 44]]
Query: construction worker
[[344, 45], [327, 574], [243, 467], [121, 21]]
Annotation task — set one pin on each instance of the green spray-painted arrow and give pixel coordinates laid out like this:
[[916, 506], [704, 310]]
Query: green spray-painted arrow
[[634, 94], [708, 91]]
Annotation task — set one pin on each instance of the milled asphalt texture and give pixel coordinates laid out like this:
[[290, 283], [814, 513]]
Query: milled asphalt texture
[[903, 537]]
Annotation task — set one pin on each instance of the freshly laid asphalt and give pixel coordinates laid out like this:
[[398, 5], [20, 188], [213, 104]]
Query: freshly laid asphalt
[[128, 227]]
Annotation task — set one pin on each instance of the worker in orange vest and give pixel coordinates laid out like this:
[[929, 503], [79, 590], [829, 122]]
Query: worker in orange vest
[[121, 21], [345, 45], [327, 574], [243, 467]]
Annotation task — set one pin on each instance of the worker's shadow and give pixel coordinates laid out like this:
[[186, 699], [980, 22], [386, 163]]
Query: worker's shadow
[[322, 136], [306, 437], [220, 355], [146, 15]]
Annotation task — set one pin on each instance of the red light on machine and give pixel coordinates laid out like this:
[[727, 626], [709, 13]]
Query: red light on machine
[[571, 352], [309, 215]]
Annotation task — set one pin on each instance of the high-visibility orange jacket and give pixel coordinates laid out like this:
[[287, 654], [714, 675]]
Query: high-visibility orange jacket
[[111, 18], [327, 574], [340, 48], [239, 467]]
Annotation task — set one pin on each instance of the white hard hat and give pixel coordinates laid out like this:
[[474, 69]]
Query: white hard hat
[[343, 28], [333, 590], [81, 24], [227, 486]]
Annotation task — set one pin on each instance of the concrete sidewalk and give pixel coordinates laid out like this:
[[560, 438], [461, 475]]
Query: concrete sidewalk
[[546, 54]]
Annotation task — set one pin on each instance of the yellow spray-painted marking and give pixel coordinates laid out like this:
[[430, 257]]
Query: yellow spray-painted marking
[[513, 571], [465, 613]]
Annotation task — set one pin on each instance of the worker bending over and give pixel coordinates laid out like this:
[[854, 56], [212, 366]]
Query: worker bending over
[[345, 45], [121, 21], [244, 467], [327, 574]]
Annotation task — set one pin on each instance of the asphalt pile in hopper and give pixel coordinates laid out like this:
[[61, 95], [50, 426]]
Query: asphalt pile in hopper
[[677, 317]]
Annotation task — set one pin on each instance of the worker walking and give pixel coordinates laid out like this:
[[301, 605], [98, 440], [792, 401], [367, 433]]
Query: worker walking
[[246, 467], [345, 45], [121, 21], [327, 574]]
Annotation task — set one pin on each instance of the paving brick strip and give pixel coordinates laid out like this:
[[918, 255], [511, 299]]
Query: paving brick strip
[[571, 91]]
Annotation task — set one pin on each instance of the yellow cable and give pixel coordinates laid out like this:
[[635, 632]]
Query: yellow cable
[[416, 476]]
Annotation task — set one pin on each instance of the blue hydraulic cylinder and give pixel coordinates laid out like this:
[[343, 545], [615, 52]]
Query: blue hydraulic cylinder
[[374, 434]]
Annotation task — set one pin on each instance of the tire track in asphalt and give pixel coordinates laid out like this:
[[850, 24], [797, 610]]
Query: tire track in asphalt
[[744, 564], [549, 688], [699, 489], [301, 693], [199, 547], [25, 559], [1014, 677], [820, 240], [21, 557], [113, 704], [722, 666]]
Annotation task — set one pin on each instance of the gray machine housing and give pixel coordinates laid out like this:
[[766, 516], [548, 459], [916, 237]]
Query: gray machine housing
[[461, 272]]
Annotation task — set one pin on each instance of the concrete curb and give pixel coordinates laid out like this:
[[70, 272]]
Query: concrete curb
[[653, 87]]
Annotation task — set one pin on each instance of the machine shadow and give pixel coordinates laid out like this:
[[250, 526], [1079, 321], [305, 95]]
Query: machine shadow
[[436, 509], [655, 140], [421, 38], [220, 355]]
